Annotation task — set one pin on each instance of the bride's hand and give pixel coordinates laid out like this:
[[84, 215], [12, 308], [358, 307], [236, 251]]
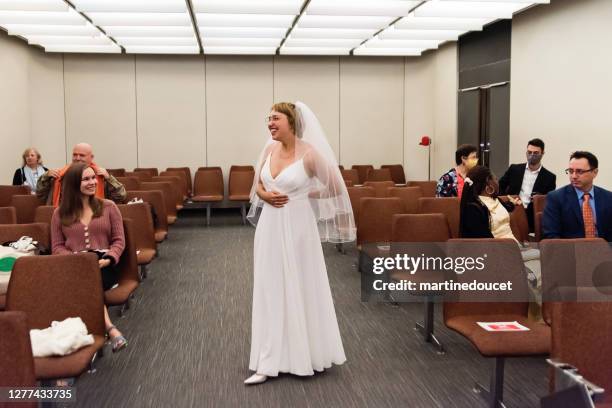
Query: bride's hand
[[275, 199]]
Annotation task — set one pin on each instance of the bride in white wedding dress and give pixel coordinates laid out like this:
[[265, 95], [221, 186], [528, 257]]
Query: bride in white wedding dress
[[298, 200]]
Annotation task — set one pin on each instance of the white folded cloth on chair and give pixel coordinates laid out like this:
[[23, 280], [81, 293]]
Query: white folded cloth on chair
[[61, 338]]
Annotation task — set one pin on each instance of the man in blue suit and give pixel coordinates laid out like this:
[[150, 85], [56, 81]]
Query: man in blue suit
[[568, 207]]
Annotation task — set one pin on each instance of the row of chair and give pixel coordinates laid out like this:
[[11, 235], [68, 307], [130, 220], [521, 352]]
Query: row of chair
[[360, 173], [462, 316]]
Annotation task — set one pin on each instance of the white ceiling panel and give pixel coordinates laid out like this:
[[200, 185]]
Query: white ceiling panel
[[395, 8], [314, 51], [244, 20], [248, 6], [160, 49], [240, 50], [241, 42], [251, 27]]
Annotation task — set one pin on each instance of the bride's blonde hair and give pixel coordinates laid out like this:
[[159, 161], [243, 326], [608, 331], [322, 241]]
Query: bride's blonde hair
[[290, 111]]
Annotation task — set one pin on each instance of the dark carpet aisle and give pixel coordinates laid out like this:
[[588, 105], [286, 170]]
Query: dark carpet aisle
[[189, 333]]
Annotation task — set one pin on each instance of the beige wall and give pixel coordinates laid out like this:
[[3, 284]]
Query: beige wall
[[171, 111], [47, 122], [14, 105], [101, 107], [561, 82], [192, 110], [371, 110]]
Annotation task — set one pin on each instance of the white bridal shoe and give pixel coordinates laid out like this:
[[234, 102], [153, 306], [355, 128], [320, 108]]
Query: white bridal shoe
[[255, 379]]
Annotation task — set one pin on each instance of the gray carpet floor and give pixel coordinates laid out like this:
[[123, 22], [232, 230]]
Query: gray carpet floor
[[189, 334]]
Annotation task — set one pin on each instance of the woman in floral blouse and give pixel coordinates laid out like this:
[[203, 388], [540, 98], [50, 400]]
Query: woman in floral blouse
[[451, 182]]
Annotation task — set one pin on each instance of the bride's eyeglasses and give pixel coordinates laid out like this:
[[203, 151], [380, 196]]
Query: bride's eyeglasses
[[273, 118]]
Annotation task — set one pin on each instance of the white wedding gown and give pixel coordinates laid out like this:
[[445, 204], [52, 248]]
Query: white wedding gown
[[294, 327]]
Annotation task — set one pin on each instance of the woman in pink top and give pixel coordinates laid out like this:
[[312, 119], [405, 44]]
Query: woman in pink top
[[84, 223]]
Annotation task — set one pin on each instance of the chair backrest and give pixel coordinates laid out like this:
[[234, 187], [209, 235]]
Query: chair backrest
[[156, 199], [537, 226], [235, 167], [180, 174], [380, 187], [539, 202], [143, 231], [397, 172], [168, 193], [409, 196], [379, 175], [140, 175], [355, 195], [420, 228], [128, 263], [518, 222], [8, 215], [177, 186], [428, 187], [240, 183], [362, 170], [44, 213], [352, 175], [56, 287], [504, 258], [116, 172], [216, 168], [348, 183], [448, 206], [187, 172], [208, 181], [6, 192], [25, 206], [591, 351], [151, 170], [38, 231], [16, 360], [130, 183], [376, 218]]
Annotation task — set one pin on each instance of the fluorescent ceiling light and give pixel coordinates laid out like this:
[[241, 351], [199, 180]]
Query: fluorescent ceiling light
[[69, 17], [33, 5], [241, 42], [149, 31], [314, 51], [131, 6], [418, 44], [322, 42], [360, 7], [242, 32], [443, 35], [309, 21], [468, 9], [45, 40], [332, 33], [400, 52], [506, 1], [34, 29], [181, 49], [248, 6], [440, 23], [109, 49], [156, 41], [244, 20], [140, 19], [241, 50]]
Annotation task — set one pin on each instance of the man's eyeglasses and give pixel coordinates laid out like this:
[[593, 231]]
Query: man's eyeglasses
[[578, 172]]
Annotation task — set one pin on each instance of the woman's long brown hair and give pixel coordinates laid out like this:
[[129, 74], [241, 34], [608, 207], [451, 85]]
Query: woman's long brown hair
[[71, 203]]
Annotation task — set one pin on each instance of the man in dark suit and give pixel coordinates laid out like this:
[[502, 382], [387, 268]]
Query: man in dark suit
[[528, 179], [580, 209]]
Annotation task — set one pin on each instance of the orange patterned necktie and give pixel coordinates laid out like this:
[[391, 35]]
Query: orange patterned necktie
[[587, 216]]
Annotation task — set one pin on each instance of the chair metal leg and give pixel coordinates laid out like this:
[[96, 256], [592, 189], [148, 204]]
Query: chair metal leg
[[243, 213], [208, 215], [427, 327], [495, 394]]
